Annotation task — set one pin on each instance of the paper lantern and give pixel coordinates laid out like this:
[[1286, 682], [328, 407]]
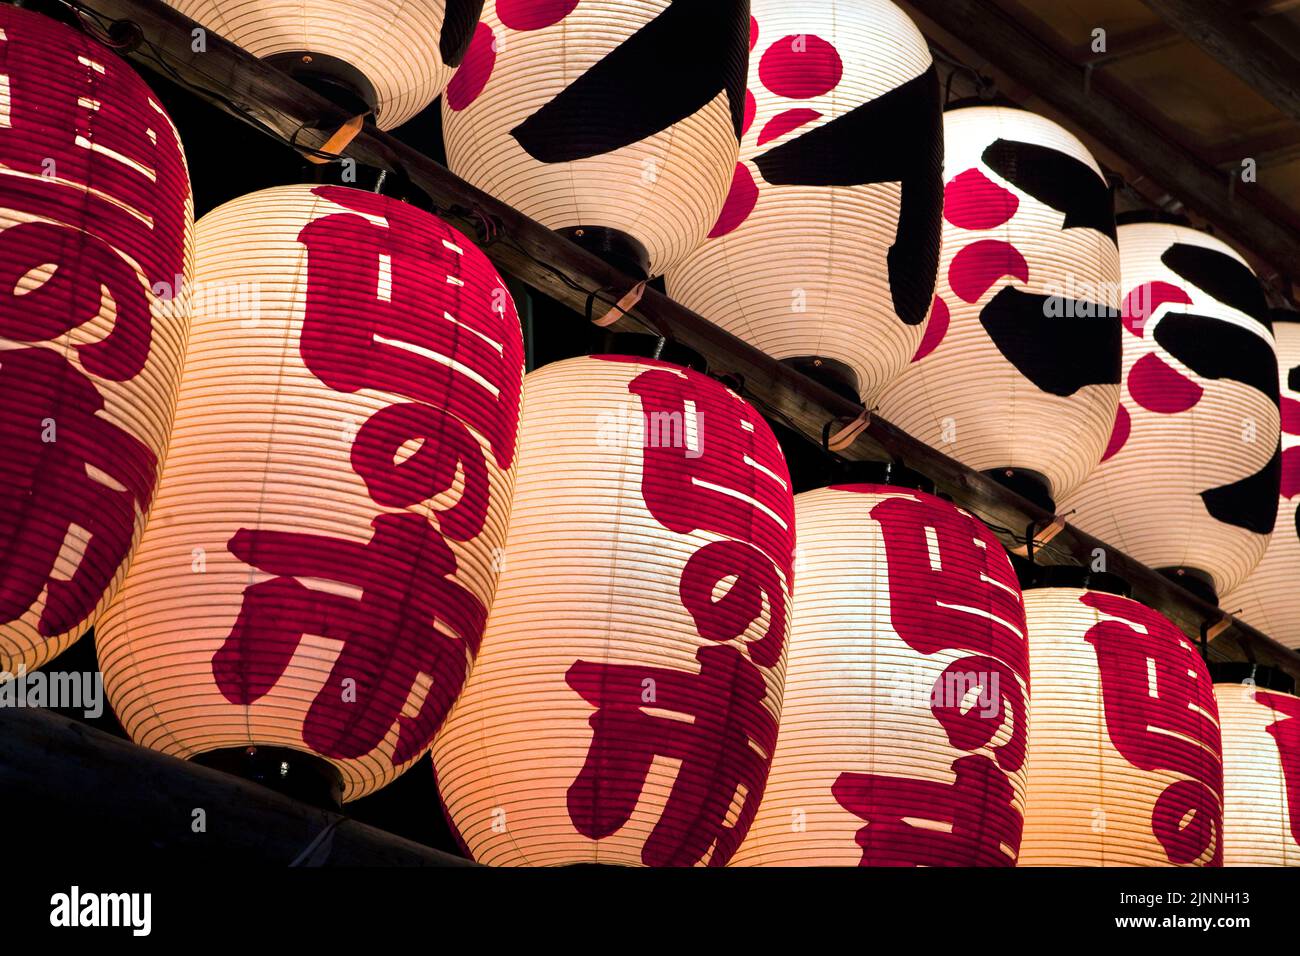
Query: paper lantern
[[1125, 765], [392, 56], [825, 252], [324, 543], [1020, 365], [903, 729], [96, 254], [625, 704], [1189, 481], [1261, 775], [1268, 599], [615, 121]]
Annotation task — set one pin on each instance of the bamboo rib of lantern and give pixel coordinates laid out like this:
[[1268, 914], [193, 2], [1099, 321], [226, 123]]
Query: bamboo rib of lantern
[[225, 75]]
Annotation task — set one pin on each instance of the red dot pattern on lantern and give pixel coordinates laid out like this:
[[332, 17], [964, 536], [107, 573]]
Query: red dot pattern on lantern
[[96, 257], [624, 707], [904, 725], [328, 529], [1125, 756]]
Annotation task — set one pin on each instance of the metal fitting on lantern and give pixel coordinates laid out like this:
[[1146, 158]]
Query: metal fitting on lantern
[[282, 769]]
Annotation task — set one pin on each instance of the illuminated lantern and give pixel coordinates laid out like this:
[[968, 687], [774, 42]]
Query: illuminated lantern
[[1268, 599], [316, 576], [903, 729], [1261, 768], [390, 56], [615, 121], [1018, 373], [1125, 765], [826, 250], [1189, 482], [96, 255], [625, 704]]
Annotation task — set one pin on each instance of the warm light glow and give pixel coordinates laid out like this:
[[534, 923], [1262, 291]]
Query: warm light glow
[[407, 49], [1020, 363], [829, 240], [1124, 748], [96, 258], [904, 724], [625, 703], [326, 538], [1261, 776], [1269, 598], [569, 112], [1190, 478]]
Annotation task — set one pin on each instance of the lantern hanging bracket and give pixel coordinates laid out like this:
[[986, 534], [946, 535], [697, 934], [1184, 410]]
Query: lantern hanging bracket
[[1036, 536], [846, 434], [1212, 629]]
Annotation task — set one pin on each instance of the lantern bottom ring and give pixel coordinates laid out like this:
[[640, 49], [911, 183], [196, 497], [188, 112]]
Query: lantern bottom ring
[[616, 248], [1195, 580], [1030, 485], [834, 374], [293, 773], [337, 80]]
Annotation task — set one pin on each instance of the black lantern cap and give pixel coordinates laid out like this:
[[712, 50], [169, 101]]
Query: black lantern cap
[[293, 773], [1152, 215], [646, 345], [1074, 576], [879, 473], [1248, 673], [337, 80], [1028, 484], [1194, 580]]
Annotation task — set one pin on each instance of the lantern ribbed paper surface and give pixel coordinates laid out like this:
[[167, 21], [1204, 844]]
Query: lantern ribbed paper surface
[[827, 247], [1261, 776], [1269, 598], [324, 544], [1020, 363], [617, 114], [625, 704], [903, 728], [407, 49], [1190, 477], [1125, 765], [96, 254]]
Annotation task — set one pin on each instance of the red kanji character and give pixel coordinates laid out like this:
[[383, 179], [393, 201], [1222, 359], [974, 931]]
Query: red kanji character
[[441, 330], [950, 586], [753, 577], [94, 150], [1286, 732], [970, 727], [45, 488], [724, 749], [445, 443], [1168, 724], [388, 633], [731, 480], [977, 822]]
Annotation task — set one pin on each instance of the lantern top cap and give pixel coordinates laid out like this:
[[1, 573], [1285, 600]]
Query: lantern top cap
[[1245, 672], [645, 345], [1134, 216], [967, 102], [1071, 576], [893, 473]]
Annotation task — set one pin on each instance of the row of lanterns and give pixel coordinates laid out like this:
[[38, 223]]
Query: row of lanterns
[[369, 535]]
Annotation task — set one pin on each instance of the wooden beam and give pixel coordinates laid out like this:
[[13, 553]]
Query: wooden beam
[[237, 82], [1159, 36], [91, 794], [1217, 27]]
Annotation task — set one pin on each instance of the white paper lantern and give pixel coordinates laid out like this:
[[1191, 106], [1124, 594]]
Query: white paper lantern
[[615, 120], [1190, 476], [326, 536], [1125, 765], [826, 249], [1019, 368], [1261, 775], [1269, 599], [904, 725], [96, 258], [624, 707], [406, 50]]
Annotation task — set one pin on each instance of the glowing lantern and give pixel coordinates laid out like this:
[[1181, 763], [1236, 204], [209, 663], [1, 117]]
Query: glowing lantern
[[1019, 370], [1189, 482], [1268, 598], [1125, 765], [825, 252], [625, 704], [903, 729], [616, 121], [391, 56], [96, 254], [324, 543], [1261, 773]]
